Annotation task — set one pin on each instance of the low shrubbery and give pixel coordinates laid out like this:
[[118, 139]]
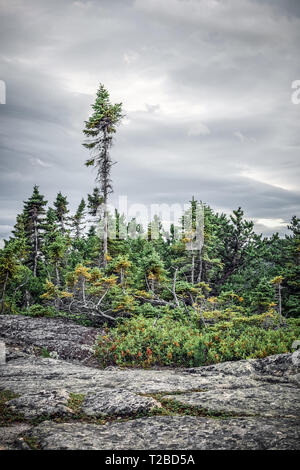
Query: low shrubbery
[[246, 340], [138, 342], [37, 310], [144, 342]]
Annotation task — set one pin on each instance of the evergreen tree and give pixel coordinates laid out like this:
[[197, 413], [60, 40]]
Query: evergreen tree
[[61, 210], [50, 224], [55, 245], [291, 270], [10, 263], [33, 216], [94, 202], [236, 239], [78, 222], [99, 130]]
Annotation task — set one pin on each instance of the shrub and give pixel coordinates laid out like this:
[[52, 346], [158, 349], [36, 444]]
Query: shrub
[[245, 341], [143, 342], [38, 310]]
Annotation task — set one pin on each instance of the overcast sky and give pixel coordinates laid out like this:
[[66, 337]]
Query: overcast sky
[[205, 85]]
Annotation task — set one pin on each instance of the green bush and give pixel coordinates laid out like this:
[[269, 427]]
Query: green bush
[[246, 341], [40, 311], [142, 342]]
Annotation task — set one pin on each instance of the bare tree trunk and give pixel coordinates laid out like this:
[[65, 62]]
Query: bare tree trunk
[[57, 274], [83, 290], [200, 267], [193, 268], [27, 299], [279, 304], [105, 250], [35, 254], [174, 288]]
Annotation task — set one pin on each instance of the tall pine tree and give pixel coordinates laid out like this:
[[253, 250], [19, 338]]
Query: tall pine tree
[[99, 130], [34, 210], [61, 210]]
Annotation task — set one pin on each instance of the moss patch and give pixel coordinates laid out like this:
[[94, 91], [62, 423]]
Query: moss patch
[[75, 402], [32, 442], [7, 416]]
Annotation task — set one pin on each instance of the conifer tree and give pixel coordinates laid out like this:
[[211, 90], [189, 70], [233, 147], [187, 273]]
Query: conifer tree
[[99, 130], [78, 219], [34, 210], [291, 269], [55, 244], [94, 202], [19, 234], [237, 237], [61, 210], [10, 257], [51, 224]]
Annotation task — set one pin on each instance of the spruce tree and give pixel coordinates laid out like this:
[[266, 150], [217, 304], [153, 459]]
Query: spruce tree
[[10, 261], [94, 202], [291, 269], [78, 219], [61, 210], [55, 245], [236, 237], [34, 210], [99, 130]]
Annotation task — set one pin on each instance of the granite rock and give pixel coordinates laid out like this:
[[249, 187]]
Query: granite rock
[[170, 433], [269, 400], [117, 402], [42, 403], [69, 340]]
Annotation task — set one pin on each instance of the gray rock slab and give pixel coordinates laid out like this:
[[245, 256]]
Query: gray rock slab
[[32, 374], [278, 365], [44, 403], [69, 340], [171, 433], [2, 353], [269, 400], [116, 402], [9, 434], [295, 380]]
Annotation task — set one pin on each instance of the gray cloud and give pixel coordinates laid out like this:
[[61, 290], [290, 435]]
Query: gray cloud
[[206, 86]]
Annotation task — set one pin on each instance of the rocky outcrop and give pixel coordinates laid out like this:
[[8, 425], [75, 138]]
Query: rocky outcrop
[[56, 335], [269, 400], [258, 400], [117, 403], [171, 433], [279, 365], [43, 403], [30, 374], [264, 408], [10, 435]]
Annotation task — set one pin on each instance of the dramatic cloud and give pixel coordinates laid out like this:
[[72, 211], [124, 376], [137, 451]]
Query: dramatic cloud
[[206, 86]]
